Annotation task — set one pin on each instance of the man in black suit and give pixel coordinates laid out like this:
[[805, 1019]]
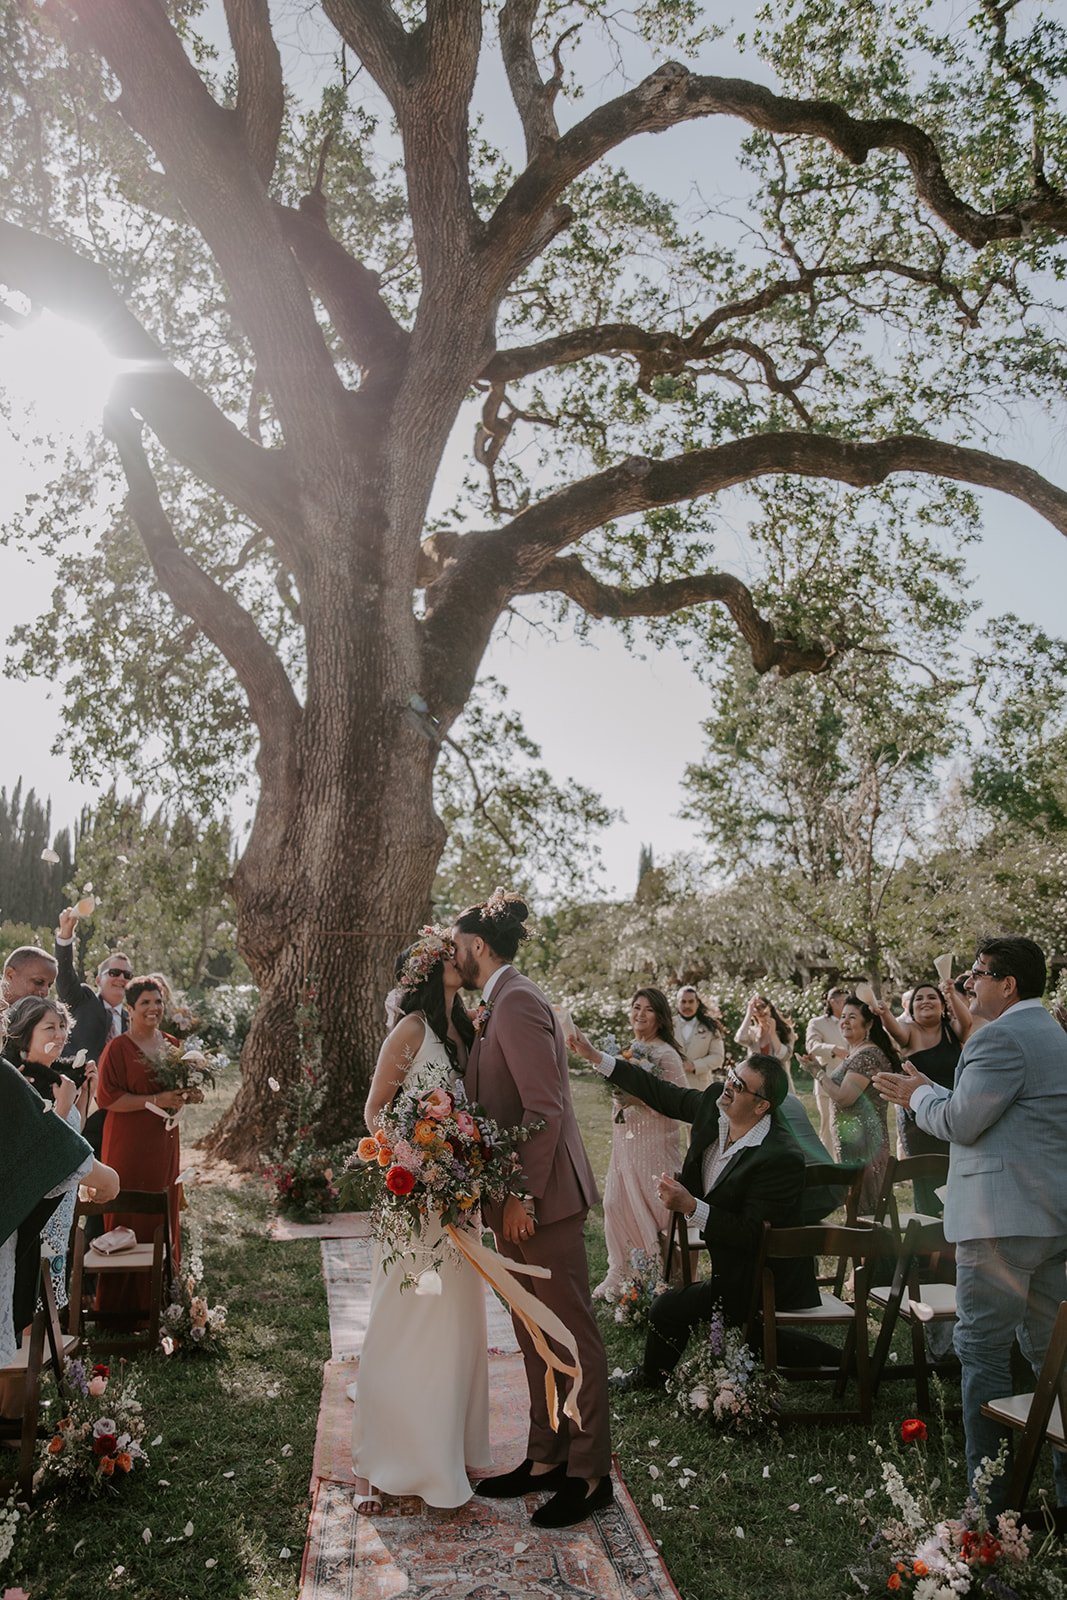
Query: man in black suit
[[744, 1167], [99, 1014]]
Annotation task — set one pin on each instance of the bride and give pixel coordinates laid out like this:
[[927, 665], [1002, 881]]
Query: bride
[[422, 1399]]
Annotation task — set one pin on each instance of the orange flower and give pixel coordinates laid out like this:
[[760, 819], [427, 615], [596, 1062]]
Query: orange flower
[[55, 1444], [106, 1465], [425, 1132], [367, 1150], [380, 1137], [465, 1201], [920, 1569], [124, 1460], [893, 1581], [385, 1156]]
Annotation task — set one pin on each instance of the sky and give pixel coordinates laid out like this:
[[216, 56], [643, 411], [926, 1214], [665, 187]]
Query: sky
[[600, 714]]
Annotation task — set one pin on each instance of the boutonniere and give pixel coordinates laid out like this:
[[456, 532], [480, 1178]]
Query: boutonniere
[[480, 1016]]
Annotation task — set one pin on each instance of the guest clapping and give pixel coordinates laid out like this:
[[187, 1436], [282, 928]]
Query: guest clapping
[[825, 1041], [859, 1128], [765, 1032], [931, 1038]]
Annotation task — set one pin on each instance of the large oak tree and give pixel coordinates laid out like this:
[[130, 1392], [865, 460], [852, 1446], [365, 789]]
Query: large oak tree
[[309, 295]]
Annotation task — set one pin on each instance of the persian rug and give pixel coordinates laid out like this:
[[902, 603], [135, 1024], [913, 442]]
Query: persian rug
[[341, 1225], [485, 1551]]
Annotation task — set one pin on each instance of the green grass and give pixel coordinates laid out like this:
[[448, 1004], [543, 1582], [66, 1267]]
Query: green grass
[[237, 1414]]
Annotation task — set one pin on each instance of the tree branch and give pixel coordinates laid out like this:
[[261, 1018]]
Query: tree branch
[[348, 289], [566, 575], [532, 95], [260, 89], [374, 31], [672, 95], [210, 170], [271, 700], [184, 419]]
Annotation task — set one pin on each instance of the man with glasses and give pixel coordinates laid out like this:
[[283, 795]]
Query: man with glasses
[[1006, 1205], [99, 1014], [743, 1168]]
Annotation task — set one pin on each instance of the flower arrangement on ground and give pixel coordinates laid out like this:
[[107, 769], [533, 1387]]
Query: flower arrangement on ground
[[922, 1551], [300, 1171], [96, 1443], [435, 1156], [723, 1384], [9, 1525], [646, 1281], [189, 1325]]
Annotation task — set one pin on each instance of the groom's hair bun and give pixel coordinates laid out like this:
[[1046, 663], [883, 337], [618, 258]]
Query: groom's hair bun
[[500, 921]]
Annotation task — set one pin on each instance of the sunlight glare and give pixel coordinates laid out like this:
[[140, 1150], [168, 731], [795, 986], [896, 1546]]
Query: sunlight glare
[[56, 374]]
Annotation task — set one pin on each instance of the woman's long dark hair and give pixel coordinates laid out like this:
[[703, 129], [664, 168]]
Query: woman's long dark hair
[[877, 1034], [783, 1027], [429, 998], [22, 1017], [664, 1018], [945, 1019]]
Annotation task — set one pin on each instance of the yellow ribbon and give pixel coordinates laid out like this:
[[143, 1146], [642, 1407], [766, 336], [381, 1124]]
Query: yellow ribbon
[[537, 1318]]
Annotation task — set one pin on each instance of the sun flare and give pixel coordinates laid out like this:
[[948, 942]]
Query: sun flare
[[56, 375]]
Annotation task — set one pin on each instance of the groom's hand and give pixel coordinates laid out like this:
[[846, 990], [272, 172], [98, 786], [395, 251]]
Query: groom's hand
[[519, 1225]]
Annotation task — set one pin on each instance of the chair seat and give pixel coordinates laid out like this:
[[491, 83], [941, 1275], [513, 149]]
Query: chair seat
[[920, 1217], [22, 1355], [1015, 1409], [137, 1259], [829, 1309], [938, 1299]]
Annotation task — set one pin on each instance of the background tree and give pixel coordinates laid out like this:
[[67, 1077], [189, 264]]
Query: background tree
[[306, 298], [27, 881]]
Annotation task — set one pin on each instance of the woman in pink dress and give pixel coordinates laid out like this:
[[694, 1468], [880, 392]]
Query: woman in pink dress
[[643, 1145]]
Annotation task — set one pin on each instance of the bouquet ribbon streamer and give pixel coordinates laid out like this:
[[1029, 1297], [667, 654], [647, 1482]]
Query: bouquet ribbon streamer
[[540, 1322]]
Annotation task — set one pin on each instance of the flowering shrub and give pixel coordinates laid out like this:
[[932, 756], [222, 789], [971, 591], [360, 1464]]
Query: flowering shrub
[[933, 1556], [300, 1173], [9, 1522], [723, 1383], [189, 1326], [645, 1282], [97, 1437], [226, 1014]]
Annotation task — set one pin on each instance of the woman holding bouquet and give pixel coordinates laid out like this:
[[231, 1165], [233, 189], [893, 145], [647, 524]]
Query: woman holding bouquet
[[141, 1139], [643, 1144], [422, 1400]]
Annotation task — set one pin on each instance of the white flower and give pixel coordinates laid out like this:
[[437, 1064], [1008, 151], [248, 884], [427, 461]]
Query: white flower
[[653, 1471], [104, 1425]]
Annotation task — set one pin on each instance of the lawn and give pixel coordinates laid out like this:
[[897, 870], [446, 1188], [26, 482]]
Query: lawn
[[778, 1514]]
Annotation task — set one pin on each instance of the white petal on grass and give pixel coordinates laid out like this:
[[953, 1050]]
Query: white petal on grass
[[739, 1533], [164, 1483], [766, 1472], [228, 1474], [211, 1562], [816, 1478], [653, 1470], [157, 1440], [659, 1502], [675, 1461], [188, 1530], [794, 1507], [652, 1444], [287, 1449], [146, 1535], [284, 1553]]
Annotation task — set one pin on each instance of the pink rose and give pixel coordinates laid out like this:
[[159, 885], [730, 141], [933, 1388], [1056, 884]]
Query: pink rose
[[97, 1386], [465, 1124], [438, 1104]]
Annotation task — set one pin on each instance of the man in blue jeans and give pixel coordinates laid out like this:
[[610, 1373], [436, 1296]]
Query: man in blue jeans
[[1006, 1208]]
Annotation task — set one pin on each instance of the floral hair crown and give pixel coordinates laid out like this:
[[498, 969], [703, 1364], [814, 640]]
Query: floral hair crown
[[432, 946]]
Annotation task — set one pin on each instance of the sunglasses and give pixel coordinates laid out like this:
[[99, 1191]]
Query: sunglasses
[[117, 972], [742, 1086], [986, 972]]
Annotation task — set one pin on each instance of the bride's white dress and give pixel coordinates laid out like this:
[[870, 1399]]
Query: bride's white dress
[[422, 1398]]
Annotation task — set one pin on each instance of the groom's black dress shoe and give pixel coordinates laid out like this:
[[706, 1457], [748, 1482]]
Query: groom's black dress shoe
[[521, 1481], [573, 1503], [636, 1378]]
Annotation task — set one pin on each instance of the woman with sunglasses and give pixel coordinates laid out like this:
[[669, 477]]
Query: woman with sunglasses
[[859, 1127]]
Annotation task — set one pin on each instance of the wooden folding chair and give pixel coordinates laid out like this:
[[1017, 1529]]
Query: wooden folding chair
[[153, 1259], [906, 1169], [920, 1296], [686, 1237], [1038, 1416], [28, 1364], [855, 1245]]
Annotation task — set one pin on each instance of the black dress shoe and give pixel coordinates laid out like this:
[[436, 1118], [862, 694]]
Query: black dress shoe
[[573, 1503], [636, 1378], [521, 1481]]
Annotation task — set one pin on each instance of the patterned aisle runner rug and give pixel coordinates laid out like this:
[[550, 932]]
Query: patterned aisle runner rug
[[339, 1225]]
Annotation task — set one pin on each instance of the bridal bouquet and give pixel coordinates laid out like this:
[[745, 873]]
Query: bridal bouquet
[[723, 1383], [436, 1156], [97, 1439], [187, 1066], [641, 1056]]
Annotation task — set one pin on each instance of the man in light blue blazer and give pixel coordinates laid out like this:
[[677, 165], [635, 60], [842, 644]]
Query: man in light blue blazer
[[1006, 1207]]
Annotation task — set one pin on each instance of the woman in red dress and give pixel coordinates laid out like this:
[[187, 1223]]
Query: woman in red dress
[[137, 1141]]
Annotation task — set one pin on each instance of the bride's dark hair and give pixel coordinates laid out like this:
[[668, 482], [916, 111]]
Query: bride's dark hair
[[429, 998], [500, 921]]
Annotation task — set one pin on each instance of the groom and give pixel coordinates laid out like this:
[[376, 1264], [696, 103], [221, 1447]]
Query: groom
[[518, 1072]]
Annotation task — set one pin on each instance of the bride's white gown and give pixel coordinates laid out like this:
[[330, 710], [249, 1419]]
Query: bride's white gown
[[422, 1399]]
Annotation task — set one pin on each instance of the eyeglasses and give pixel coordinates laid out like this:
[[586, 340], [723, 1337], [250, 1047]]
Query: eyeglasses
[[986, 972], [740, 1084], [117, 972]]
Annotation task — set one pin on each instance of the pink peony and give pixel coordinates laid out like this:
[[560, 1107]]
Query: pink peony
[[438, 1104], [97, 1387], [466, 1125]]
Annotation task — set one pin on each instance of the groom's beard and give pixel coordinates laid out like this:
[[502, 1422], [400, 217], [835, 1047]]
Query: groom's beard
[[468, 971]]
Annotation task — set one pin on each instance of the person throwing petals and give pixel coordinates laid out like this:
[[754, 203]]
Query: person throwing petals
[[518, 1072]]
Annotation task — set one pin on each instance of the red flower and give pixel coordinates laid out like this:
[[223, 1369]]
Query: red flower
[[912, 1428], [101, 1371], [398, 1180], [105, 1444]]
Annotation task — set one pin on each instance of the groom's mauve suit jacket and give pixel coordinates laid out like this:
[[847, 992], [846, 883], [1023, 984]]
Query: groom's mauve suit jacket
[[518, 1072]]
